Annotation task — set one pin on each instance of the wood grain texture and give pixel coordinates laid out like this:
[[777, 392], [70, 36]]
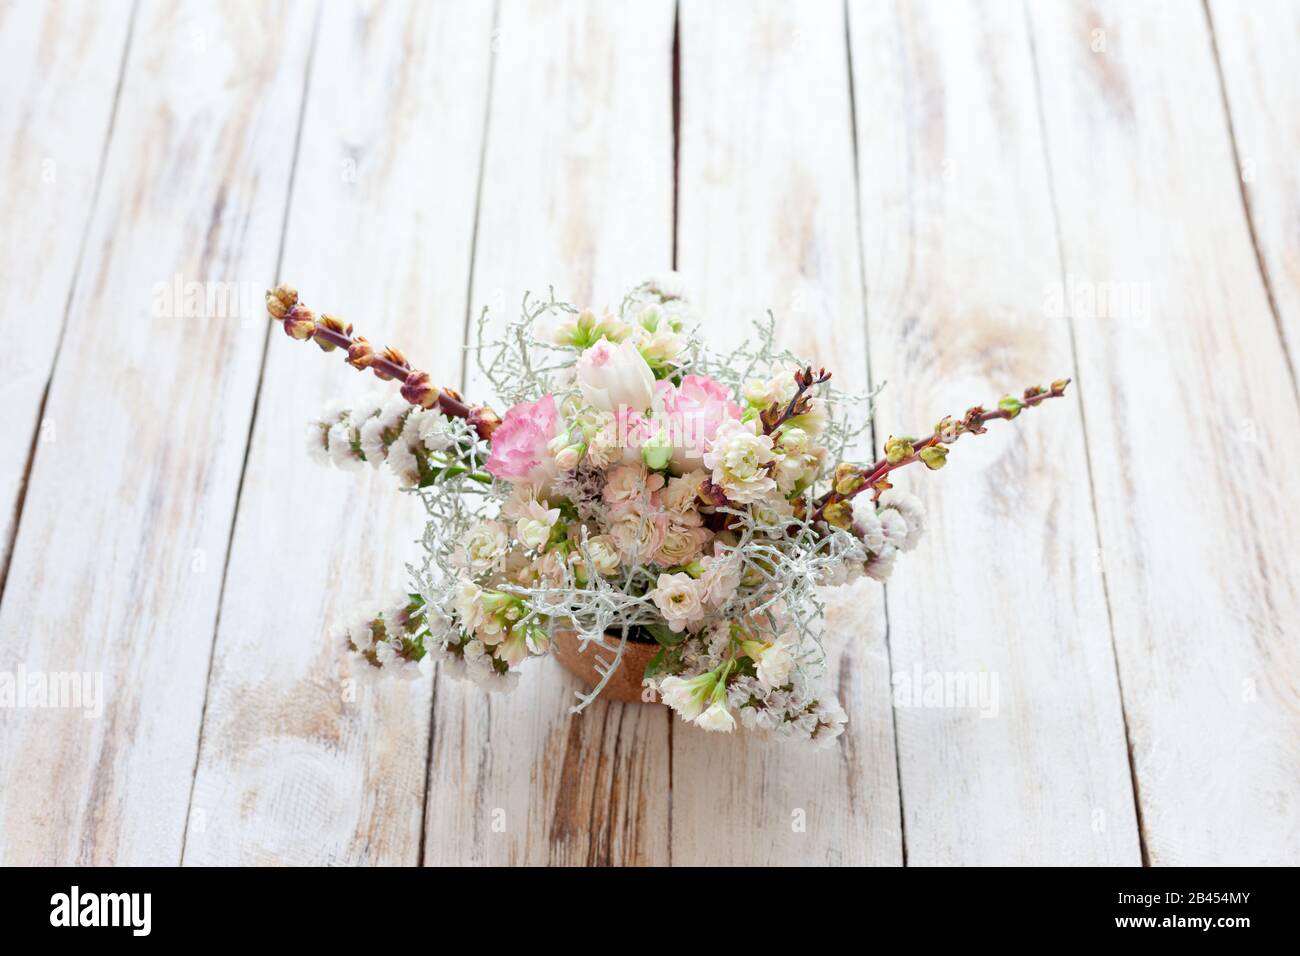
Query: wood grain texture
[[960, 258], [1258, 46], [117, 564], [59, 67], [293, 768], [577, 192], [1190, 417], [766, 220]]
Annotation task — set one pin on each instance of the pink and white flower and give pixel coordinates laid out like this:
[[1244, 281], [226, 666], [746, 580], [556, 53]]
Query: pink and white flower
[[614, 376], [692, 413], [520, 444]]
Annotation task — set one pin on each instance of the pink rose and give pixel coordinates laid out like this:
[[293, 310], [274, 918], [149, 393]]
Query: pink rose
[[519, 444], [692, 413]]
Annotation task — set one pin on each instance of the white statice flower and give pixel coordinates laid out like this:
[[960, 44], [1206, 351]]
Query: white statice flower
[[427, 428], [341, 452], [739, 458], [866, 523], [533, 525], [404, 464], [395, 611], [831, 719], [716, 717], [881, 565], [318, 442], [360, 626], [485, 547], [895, 527], [394, 412], [678, 597], [373, 445], [913, 512]]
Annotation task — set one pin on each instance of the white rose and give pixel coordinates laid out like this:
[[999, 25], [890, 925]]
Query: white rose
[[739, 457], [614, 376], [486, 546], [603, 552], [678, 598]]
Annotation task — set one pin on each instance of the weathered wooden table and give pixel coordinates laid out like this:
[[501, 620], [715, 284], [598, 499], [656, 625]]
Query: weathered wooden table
[[961, 199]]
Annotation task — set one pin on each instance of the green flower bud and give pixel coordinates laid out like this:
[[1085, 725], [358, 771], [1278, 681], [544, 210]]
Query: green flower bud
[[898, 447], [934, 457], [1010, 405], [657, 451]]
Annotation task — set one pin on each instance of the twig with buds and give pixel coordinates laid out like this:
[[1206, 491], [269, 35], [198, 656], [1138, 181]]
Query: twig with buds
[[774, 417], [900, 450], [331, 332]]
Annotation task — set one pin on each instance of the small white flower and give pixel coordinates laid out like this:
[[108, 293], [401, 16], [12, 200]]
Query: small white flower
[[467, 603], [340, 447], [318, 442], [913, 512], [866, 523], [678, 598], [687, 696], [716, 717], [894, 526], [372, 442], [881, 565], [486, 547], [404, 464], [533, 527], [603, 552], [774, 664]]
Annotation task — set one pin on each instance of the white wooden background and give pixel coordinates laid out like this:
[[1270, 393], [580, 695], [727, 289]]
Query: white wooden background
[[904, 184]]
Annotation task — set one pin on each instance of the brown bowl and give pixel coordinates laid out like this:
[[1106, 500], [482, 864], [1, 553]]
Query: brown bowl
[[625, 684]]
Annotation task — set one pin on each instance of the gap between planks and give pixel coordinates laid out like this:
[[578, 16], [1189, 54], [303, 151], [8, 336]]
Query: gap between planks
[[252, 423]]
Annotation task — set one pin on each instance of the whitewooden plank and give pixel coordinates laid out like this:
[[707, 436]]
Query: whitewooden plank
[[293, 769], [1259, 47], [1190, 417], [577, 192], [117, 565], [59, 66], [766, 220], [960, 255]]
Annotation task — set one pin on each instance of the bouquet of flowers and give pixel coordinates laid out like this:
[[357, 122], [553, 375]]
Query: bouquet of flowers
[[639, 490]]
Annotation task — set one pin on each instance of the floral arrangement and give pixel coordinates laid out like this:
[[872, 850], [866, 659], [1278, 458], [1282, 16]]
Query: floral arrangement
[[638, 489]]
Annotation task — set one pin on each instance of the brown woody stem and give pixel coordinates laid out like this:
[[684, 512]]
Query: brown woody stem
[[946, 432]]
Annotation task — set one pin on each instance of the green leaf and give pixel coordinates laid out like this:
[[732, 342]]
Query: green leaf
[[665, 635], [657, 664]]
